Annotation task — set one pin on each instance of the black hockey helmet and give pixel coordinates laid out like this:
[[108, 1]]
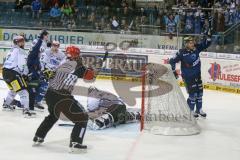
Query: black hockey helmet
[[44, 32]]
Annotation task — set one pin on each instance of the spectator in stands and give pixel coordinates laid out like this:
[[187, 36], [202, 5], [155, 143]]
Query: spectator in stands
[[62, 2], [115, 23], [102, 24], [126, 14], [55, 14], [197, 21], [19, 4], [123, 25], [46, 4], [91, 19], [189, 23], [171, 23], [219, 25], [36, 8], [66, 11], [27, 5], [75, 12]]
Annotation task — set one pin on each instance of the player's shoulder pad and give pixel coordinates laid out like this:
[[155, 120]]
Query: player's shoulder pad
[[17, 50]]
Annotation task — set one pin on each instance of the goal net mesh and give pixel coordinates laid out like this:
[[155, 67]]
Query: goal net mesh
[[164, 108]]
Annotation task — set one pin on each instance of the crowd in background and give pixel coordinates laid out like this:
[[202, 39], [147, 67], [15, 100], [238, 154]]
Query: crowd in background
[[188, 16]]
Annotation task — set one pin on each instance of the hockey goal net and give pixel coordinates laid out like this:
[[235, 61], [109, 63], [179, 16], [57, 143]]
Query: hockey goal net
[[164, 108]]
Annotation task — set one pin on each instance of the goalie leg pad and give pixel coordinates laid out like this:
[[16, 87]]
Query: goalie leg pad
[[104, 121], [132, 117]]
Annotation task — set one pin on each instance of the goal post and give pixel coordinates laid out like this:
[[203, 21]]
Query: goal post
[[164, 109]]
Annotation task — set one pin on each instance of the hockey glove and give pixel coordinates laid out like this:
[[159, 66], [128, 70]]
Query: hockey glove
[[27, 78], [48, 74], [89, 74], [49, 44]]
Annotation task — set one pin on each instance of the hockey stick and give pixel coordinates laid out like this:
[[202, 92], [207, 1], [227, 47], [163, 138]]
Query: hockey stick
[[65, 125]]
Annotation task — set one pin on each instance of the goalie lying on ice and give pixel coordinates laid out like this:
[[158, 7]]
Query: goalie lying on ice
[[107, 110]]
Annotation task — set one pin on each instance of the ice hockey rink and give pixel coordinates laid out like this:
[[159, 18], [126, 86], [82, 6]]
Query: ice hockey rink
[[219, 139]]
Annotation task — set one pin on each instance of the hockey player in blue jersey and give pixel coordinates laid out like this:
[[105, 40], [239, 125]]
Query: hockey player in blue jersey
[[34, 66], [191, 71]]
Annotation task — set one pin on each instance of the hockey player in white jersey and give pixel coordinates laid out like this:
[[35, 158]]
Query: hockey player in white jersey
[[106, 110], [15, 73], [50, 59]]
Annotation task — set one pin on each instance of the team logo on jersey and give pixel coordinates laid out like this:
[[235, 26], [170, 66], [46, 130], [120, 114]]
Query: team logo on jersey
[[54, 62], [193, 56]]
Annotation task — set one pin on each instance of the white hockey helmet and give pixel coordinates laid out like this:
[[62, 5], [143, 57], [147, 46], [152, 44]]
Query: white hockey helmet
[[17, 39]]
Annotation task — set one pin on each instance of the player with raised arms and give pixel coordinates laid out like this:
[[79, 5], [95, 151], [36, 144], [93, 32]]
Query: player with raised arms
[[191, 71]]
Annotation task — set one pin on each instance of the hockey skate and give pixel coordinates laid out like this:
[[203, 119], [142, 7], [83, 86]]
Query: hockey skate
[[201, 113], [76, 147], [8, 107], [37, 141], [195, 115], [28, 114], [17, 104]]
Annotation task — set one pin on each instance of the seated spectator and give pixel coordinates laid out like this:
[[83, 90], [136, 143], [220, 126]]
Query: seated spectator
[[62, 2], [66, 11], [55, 14], [126, 14], [91, 19], [75, 12], [19, 4], [115, 23], [69, 24], [27, 5], [108, 27], [36, 8]]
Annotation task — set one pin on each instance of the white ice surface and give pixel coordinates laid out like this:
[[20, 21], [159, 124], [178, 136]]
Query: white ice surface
[[219, 139]]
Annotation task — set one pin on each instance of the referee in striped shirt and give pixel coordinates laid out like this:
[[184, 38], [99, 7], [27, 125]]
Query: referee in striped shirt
[[60, 100]]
